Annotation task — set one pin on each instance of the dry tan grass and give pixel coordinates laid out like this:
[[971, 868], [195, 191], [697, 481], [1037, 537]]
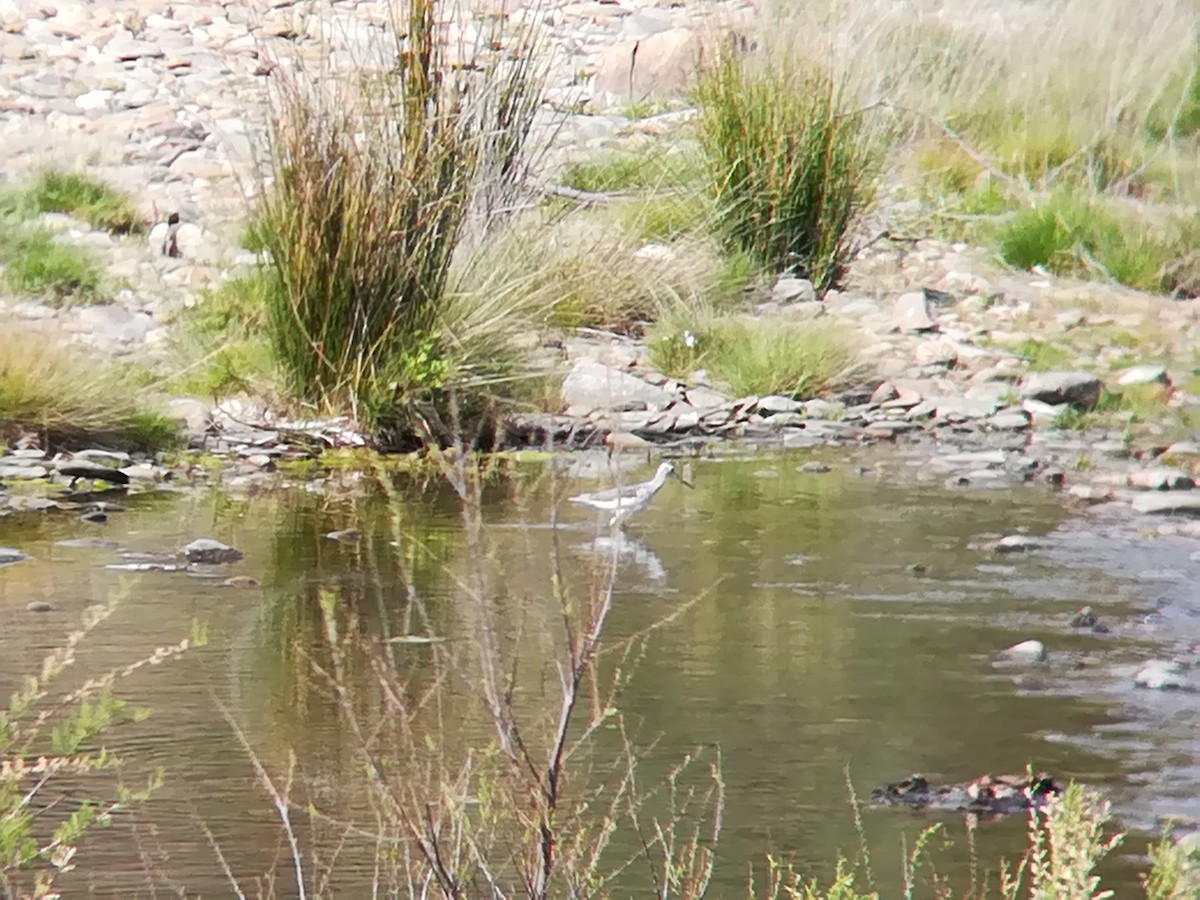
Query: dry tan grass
[[62, 393]]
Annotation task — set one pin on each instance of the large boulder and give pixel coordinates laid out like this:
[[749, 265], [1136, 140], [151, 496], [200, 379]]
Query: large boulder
[[660, 66], [594, 387], [1080, 389]]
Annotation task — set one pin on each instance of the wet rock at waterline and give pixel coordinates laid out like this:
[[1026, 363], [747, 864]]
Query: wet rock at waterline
[[985, 795], [1028, 652], [1086, 618], [10, 555], [1016, 543], [82, 470], [39, 606], [210, 552], [1160, 478], [1183, 503], [1166, 675]]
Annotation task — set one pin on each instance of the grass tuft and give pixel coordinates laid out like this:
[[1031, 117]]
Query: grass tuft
[[1070, 235], [61, 392], [372, 195], [37, 264], [94, 202], [796, 359], [792, 165]]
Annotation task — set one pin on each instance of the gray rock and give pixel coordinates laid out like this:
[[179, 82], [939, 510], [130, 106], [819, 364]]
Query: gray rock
[[592, 386], [775, 403], [790, 289], [851, 307], [822, 409], [22, 473], [1042, 414], [890, 428], [1145, 374], [1080, 389], [994, 479], [1013, 420], [813, 467], [1025, 652], [1184, 503], [885, 393], [965, 408], [1090, 493], [988, 459], [803, 311], [206, 550], [1183, 448], [912, 312], [39, 606]]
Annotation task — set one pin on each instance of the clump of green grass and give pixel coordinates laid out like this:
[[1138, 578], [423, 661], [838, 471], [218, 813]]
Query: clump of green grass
[[222, 340], [35, 263], [79, 195], [792, 163], [624, 171], [796, 359], [60, 391], [371, 197], [1068, 235], [253, 237], [1044, 356]]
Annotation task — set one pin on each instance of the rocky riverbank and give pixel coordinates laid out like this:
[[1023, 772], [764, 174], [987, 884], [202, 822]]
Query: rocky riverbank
[[1006, 377]]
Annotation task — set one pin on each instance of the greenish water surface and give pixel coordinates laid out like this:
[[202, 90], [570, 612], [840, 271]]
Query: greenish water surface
[[839, 628]]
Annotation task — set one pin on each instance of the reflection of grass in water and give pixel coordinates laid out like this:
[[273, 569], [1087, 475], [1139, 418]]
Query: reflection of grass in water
[[369, 580]]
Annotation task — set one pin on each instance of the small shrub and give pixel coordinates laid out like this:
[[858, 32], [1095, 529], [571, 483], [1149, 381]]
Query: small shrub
[[792, 165], [85, 198], [35, 263]]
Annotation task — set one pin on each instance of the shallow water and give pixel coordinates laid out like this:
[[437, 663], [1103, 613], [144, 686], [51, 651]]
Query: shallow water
[[842, 626]]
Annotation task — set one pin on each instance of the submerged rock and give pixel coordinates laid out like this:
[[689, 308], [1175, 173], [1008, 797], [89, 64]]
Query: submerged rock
[[987, 794], [206, 550], [1165, 675], [10, 555]]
